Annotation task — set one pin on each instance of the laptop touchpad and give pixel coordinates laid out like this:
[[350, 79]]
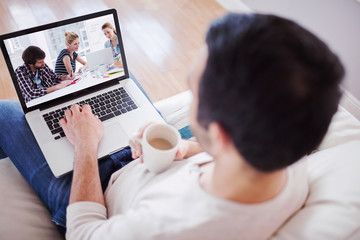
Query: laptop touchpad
[[113, 139]]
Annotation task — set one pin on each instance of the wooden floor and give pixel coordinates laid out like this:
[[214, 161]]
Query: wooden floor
[[161, 37]]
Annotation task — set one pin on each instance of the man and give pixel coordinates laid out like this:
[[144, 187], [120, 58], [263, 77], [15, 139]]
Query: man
[[35, 78], [264, 91]]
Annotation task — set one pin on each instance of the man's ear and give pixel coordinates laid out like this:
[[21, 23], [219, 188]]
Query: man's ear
[[220, 140]]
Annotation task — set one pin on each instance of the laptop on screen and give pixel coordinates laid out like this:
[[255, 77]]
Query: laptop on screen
[[114, 98], [96, 58]]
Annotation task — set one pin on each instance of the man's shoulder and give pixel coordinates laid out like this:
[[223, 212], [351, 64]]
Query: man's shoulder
[[22, 69]]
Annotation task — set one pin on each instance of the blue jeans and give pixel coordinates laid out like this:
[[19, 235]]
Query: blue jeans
[[18, 143]]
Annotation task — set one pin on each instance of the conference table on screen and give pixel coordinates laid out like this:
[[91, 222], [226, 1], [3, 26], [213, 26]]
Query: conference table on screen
[[81, 82]]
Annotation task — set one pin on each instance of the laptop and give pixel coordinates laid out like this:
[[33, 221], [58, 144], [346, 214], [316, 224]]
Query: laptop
[[96, 58], [115, 98]]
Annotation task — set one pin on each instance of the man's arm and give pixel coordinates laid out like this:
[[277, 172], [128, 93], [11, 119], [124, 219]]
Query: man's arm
[[84, 131], [53, 78], [58, 86], [188, 149]]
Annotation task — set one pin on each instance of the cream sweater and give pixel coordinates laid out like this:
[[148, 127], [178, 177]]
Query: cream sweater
[[172, 205]]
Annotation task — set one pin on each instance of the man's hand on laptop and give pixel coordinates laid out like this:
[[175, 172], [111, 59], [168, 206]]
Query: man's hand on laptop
[[82, 128]]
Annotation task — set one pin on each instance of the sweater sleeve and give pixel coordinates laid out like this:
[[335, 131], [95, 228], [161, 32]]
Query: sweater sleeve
[[88, 220]]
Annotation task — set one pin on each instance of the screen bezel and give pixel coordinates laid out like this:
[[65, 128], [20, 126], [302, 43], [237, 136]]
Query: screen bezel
[[73, 95]]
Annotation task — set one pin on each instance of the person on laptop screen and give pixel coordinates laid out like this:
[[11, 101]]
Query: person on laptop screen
[[66, 60], [264, 93], [35, 78], [113, 43]]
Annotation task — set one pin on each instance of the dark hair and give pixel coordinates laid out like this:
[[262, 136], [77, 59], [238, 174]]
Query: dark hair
[[32, 54], [272, 85]]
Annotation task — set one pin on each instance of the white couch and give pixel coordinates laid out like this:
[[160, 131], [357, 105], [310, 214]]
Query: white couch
[[332, 210]]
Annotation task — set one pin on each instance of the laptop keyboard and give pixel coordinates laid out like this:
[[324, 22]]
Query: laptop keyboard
[[105, 106]]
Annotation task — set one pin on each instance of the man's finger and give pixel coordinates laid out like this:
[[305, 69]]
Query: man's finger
[[68, 114], [75, 109], [86, 108], [142, 129], [63, 122]]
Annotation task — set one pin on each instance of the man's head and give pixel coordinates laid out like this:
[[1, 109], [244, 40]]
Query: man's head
[[34, 56], [271, 85]]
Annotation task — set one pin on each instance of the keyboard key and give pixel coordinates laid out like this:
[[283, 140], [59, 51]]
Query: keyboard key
[[106, 117], [48, 118], [50, 125], [127, 99], [56, 130]]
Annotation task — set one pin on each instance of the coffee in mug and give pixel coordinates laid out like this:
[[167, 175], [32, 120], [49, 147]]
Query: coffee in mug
[[160, 143]]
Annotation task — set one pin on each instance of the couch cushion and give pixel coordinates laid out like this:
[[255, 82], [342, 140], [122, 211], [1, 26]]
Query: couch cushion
[[332, 210], [23, 215], [344, 128]]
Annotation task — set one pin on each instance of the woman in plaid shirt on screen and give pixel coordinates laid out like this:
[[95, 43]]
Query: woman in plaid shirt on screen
[[35, 78]]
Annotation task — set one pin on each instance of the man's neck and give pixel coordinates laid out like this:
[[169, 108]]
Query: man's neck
[[235, 180], [34, 69]]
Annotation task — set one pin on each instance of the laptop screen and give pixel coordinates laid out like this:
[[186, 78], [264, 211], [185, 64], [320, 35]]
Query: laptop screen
[[39, 58]]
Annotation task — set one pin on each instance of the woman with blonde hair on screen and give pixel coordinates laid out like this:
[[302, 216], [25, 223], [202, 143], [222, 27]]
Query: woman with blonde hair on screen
[[66, 60]]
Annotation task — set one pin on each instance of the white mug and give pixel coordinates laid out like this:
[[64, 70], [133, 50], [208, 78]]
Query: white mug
[[159, 143]]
